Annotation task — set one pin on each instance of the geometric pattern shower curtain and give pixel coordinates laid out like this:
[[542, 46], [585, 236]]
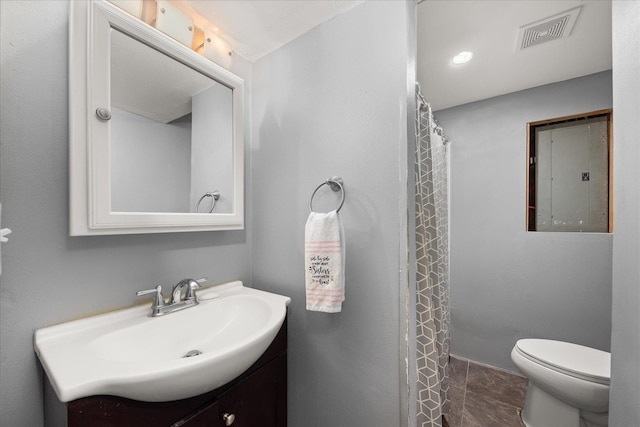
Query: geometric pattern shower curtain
[[432, 257]]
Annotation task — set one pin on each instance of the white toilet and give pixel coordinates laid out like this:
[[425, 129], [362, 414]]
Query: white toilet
[[568, 383]]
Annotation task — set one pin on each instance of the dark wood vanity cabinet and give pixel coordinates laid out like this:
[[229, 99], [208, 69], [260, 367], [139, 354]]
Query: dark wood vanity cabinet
[[258, 401], [258, 398]]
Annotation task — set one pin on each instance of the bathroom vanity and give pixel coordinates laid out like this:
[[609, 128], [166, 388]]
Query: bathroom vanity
[[220, 362], [258, 398]]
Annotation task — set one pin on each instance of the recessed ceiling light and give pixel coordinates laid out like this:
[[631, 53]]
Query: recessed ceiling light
[[462, 57]]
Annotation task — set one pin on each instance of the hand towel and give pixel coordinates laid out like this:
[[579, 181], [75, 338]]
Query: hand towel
[[324, 262]]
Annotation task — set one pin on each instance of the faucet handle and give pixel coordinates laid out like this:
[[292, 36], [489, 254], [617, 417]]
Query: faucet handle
[[158, 300]]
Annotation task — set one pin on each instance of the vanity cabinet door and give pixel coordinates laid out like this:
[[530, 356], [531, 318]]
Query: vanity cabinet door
[[205, 417], [112, 411], [259, 400]]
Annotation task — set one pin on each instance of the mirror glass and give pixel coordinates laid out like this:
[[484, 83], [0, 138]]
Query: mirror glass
[[171, 138]]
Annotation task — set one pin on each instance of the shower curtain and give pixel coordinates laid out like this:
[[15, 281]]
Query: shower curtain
[[432, 268]]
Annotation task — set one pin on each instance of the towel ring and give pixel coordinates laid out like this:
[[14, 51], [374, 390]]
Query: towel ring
[[215, 195], [336, 184]]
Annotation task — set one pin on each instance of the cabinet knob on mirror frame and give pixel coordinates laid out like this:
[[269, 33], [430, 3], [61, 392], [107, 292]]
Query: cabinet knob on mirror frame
[[103, 113], [228, 419]]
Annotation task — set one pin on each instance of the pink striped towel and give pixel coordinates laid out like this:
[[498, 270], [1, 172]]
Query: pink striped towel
[[324, 262]]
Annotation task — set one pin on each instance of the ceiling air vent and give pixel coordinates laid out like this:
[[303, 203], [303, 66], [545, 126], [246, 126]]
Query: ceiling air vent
[[552, 28]]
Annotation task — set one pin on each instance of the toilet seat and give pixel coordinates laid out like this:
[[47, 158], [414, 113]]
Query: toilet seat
[[570, 359]]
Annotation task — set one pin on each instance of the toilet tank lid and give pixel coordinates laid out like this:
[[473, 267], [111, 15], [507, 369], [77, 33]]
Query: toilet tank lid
[[572, 358]]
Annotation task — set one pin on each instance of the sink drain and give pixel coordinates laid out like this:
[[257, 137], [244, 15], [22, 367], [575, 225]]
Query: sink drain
[[192, 353]]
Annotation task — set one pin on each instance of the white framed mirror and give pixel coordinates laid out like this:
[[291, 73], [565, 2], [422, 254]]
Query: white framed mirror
[[155, 130]]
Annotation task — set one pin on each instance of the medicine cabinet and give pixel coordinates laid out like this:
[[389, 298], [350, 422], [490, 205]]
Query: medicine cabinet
[[156, 130]]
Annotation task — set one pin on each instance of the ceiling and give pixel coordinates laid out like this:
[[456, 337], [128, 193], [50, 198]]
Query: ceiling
[[257, 27], [445, 27], [137, 73], [490, 30]]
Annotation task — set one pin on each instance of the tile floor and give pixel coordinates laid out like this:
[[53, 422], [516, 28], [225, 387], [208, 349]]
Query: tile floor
[[482, 396]]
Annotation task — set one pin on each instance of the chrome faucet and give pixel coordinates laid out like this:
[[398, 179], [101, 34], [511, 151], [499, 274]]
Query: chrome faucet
[[190, 286], [177, 302]]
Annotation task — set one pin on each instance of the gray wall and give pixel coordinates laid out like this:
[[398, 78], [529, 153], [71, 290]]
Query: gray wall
[[507, 283], [48, 277], [333, 102], [212, 148], [625, 342], [150, 163]]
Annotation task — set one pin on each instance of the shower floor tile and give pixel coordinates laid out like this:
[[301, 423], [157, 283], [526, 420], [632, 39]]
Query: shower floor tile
[[482, 396]]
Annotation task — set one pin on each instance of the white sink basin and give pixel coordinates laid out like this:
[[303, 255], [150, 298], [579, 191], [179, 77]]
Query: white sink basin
[[126, 353]]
